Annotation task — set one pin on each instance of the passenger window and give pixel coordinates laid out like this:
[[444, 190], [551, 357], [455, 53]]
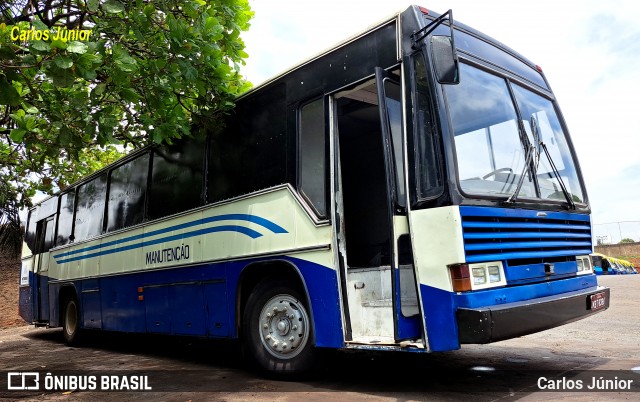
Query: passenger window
[[250, 152], [90, 208], [47, 241], [127, 194], [176, 178], [30, 232], [65, 218], [312, 151]]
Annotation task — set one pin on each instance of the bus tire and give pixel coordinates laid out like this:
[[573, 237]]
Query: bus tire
[[276, 330], [71, 321]]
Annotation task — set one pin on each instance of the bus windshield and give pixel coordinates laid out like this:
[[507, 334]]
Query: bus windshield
[[492, 147]]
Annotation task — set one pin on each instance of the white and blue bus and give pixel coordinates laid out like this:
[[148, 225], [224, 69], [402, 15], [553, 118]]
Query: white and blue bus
[[414, 188]]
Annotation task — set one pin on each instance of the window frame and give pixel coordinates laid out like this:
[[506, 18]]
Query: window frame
[[326, 156], [71, 238], [106, 215], [77, 199], [153, 154], [415, 171], [510, 80]]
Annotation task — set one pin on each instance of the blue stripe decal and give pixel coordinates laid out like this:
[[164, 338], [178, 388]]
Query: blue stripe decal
[[227, 228], [238, 217]]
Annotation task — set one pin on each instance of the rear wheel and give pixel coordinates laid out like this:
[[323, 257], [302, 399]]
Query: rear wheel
[[276, 330], [71, 321]]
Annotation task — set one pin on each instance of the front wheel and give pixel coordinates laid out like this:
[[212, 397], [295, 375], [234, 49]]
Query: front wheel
[[71, 321], [276, 330]]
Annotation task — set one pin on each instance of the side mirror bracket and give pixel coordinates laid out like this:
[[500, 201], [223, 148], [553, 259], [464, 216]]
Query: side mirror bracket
[[443, 49]]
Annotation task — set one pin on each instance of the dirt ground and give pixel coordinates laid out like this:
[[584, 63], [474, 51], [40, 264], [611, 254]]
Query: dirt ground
[[605, 346], [9, 277]]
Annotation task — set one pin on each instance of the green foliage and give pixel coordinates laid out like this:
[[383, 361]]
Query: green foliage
[[82, 82], [626, 240], [10, 230]]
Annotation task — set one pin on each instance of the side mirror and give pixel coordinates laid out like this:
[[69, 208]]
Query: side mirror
[[445, 60]]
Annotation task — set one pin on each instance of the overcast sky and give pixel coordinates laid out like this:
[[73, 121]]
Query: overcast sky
[[589, 51]]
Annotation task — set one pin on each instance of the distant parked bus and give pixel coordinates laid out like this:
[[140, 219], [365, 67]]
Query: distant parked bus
[[414, 188]]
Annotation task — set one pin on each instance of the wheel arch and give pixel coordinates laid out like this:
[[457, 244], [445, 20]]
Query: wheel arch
[[68, 290], [254, 273]]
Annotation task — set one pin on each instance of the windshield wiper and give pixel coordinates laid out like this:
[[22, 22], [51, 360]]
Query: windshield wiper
[[531, 150], [567, 194], [536, 135]]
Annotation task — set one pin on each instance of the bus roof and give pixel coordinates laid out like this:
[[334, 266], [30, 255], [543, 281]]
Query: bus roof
[[417, 10]]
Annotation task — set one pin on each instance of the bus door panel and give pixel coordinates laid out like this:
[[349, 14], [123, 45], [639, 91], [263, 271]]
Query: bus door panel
[[187, 309], [44, 241], [157, 309], [215, 294], [91, 304], [363, 223], [35, 288], [407, 323]]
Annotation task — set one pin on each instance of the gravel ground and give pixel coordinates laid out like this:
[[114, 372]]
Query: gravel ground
[[9, 277]]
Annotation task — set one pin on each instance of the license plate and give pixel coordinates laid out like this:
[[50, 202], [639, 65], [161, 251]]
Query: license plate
[[598, 301]]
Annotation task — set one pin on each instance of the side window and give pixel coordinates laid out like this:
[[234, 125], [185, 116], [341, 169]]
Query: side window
[[429, 174], [30, 232], [127, 193], [250, 153], [65, 218], [45, 228], [90, 208], [49, 229], [312, 152], [176, 178]]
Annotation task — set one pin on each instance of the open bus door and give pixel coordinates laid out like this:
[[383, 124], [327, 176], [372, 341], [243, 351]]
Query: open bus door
[[406, 311], [380, 306], [44, 240]]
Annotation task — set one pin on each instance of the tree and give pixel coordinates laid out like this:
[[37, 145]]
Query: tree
[[82, 81], [626, 240], [10, 230]]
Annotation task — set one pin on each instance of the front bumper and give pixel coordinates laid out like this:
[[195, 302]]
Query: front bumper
[[497, 323]]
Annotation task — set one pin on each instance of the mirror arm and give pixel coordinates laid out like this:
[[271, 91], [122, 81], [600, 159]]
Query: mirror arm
[[418, 36]]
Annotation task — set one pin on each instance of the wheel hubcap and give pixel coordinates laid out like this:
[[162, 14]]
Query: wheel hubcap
[[284, 326], [71, 318]]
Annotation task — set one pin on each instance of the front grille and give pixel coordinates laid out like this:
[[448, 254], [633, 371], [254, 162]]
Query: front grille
[[522, 236]]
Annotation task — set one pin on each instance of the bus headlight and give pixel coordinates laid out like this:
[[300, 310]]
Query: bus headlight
[[465, 277], [479, 275], [494, 273], [584, 266]]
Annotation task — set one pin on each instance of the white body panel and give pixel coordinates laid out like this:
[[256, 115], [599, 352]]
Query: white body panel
[[437, 238], [25, 269], [278, 224]]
